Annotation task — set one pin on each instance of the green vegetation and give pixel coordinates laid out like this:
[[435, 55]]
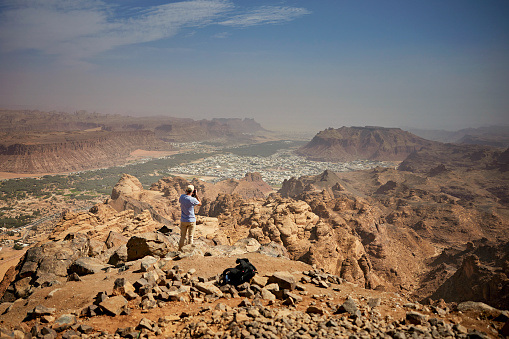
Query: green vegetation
[[17, 221], [265, 149]]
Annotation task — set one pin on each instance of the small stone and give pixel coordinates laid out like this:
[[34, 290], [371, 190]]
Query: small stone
[[284, 279], [460, 329], [315, 310], [241, 317], [73, 277], [373, 302], [145, 323], [40, 310], [87, 329], [349, 306], [416, 318], [267, 295], [64, 322]]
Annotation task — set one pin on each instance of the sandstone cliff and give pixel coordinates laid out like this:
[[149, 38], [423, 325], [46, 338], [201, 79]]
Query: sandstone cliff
[[362, 143], [73, 152]]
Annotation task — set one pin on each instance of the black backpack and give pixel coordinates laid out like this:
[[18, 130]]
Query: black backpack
[[239, 274]]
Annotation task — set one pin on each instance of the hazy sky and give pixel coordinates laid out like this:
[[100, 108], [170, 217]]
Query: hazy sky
[[314, 64]]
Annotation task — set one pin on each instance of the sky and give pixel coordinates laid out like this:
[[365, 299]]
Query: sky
[[304, 65]]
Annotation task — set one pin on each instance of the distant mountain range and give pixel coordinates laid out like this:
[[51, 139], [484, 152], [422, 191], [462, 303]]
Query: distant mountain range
[[497, 136]]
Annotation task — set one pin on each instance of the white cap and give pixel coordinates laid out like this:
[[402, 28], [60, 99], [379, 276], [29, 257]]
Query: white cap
[[190, 188]]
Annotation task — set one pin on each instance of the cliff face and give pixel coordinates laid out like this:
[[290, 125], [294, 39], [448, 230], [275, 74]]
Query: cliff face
[[165, 128], [73, 153], [362, 143]]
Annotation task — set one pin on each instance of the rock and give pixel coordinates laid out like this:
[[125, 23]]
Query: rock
[[119, 256], [373, 302], [241, 317], [64, 322], [274, 249], [154, 244], [460, 329], [285, 280], [147, 263], [47, 319], [272, 287], [248, 245], [95, 247], [124, 288], [267, 295], [416, 318], [86, 329], [40, 310], [115, 240], [146, 324], [127, 185], [71, 334], [208, 288], [315, 310], [476, 306], [114, 305], [349, 306], [86, 265], [259, 280], [22, 287], [73, 277], [48, 333]]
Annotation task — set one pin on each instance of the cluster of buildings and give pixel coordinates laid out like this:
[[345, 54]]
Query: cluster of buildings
[[273, 169]]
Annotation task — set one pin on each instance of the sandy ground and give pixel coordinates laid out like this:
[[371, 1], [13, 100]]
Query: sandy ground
[[9, 257]]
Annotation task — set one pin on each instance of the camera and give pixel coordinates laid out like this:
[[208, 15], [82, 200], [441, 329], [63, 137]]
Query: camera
[[194, 194]]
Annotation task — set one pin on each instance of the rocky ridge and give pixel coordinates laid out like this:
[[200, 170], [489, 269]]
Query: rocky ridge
[[132, 282]]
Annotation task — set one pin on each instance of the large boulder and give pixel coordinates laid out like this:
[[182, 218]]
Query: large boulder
[[127, 185], [151, 243], [87, 265]]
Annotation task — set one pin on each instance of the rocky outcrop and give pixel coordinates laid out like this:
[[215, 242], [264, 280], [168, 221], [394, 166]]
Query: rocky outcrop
[[362, 143], [128, 194], [483, 275], [328, 181], [452, 156], [292, 224]]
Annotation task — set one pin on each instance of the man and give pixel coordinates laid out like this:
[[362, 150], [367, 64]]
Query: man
[[187, 217]]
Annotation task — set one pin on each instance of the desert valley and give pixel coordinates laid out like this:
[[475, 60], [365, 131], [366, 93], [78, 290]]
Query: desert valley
[[355, 232]]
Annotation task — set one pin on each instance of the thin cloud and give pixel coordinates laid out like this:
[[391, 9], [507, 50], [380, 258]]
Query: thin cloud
[[265, 15], [75, 31], [221, 35]]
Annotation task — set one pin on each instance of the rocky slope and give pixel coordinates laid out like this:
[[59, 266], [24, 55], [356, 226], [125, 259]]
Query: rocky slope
[[381, 228], [109, 270], [362, 143], [422, 227], [131, 284]]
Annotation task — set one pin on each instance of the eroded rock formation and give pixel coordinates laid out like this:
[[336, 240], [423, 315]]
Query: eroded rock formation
[[362, 143]]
